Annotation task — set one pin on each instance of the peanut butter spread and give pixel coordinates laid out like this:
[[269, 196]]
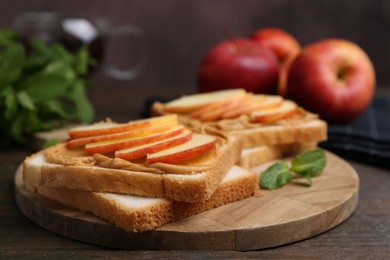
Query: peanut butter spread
[[60, 154], [240, 123]]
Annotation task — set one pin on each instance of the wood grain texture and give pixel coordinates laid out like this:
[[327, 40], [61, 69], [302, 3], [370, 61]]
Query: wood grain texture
[[279, 217]]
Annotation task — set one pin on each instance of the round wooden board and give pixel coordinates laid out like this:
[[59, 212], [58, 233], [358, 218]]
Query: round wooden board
[[278, 217]]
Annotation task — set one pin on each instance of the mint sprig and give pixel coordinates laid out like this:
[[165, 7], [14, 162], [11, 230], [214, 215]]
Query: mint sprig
[[307, 164], [41, 87]]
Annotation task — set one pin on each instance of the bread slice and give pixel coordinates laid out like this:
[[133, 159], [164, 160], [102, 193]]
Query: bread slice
[[188, 182], [304, 128], [136, 213], [251, 157], [311, 131]]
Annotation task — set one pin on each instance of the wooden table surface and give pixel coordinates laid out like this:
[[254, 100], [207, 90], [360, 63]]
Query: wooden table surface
[[365, 235]]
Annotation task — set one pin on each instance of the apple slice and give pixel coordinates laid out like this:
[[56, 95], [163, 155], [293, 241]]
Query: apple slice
[[258, 102], [141, 151], [119, 144], [198, 145], [190, 103], [112, 128], [271, 115], [219, 105], [120, 136]]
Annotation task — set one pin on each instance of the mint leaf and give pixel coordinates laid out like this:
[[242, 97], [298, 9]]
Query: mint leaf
[[84, 109], [275, 176], [25, 100], [41, 87], [10, 103], [82, 61], [11, 62], [309, 164], [8, 35], [49, 143], [39, 56], [54, 108]]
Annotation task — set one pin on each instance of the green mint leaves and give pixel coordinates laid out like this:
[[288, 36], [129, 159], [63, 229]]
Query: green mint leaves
[[276, 176], [41, 87], [307, 164]]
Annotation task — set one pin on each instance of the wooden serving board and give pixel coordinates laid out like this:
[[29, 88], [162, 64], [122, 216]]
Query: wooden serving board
[[278, 217]]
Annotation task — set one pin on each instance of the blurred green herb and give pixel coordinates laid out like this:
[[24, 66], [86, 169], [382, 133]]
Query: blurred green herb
[[307, 164], [40, 89], [49, 143]]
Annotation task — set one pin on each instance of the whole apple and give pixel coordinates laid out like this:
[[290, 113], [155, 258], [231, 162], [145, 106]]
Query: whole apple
[[284, 45], [334, 78], [239, 63]]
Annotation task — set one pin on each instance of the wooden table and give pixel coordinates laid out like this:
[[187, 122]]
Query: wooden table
[[365, 235]]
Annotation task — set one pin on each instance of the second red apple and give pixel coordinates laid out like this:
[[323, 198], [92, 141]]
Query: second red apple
[[334, 78], [284, 45], [239, 63]]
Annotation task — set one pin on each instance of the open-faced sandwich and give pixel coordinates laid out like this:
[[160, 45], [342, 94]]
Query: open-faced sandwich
[[141, 174], [269, 126]]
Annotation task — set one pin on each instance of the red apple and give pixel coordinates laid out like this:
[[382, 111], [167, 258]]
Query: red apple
[[283, 45], [239, 63], [334, 78]]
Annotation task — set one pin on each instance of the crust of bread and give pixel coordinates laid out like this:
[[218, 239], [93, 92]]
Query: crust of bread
[[306, 132], [109, 207], [251, 157], [137, 214], [181, 187]]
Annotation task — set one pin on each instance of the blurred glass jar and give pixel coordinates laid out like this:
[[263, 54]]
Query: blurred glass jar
[[75, 31]]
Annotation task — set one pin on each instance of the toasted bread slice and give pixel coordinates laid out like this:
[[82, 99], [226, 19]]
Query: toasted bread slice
[[302, 127], [136, 213], [251, 157], [194, 180]]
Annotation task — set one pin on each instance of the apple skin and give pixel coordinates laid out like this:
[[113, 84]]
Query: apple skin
[[113, 128], [114, 145], [198, 145], [239, 63], [141, 151], [334, 78], [285, 46]]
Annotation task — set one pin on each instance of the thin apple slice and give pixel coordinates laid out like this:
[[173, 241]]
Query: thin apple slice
[[112, 128], [73, 143], [216, 112], [245, 107], [198, 145], [119, 144], [271, 115], [259, 102], [216, 106], [190, 103], [141, 151]]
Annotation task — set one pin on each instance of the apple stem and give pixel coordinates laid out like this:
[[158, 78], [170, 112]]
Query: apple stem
[[231, 37]]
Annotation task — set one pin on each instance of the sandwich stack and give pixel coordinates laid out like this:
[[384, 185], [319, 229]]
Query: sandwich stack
[[142, 174], [193, 155], [270, 127]]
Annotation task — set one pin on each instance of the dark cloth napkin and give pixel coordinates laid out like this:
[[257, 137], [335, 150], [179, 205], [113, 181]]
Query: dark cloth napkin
[[367, 139]]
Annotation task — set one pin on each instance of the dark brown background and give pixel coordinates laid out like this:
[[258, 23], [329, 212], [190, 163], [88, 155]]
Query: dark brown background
[[179, 32]]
